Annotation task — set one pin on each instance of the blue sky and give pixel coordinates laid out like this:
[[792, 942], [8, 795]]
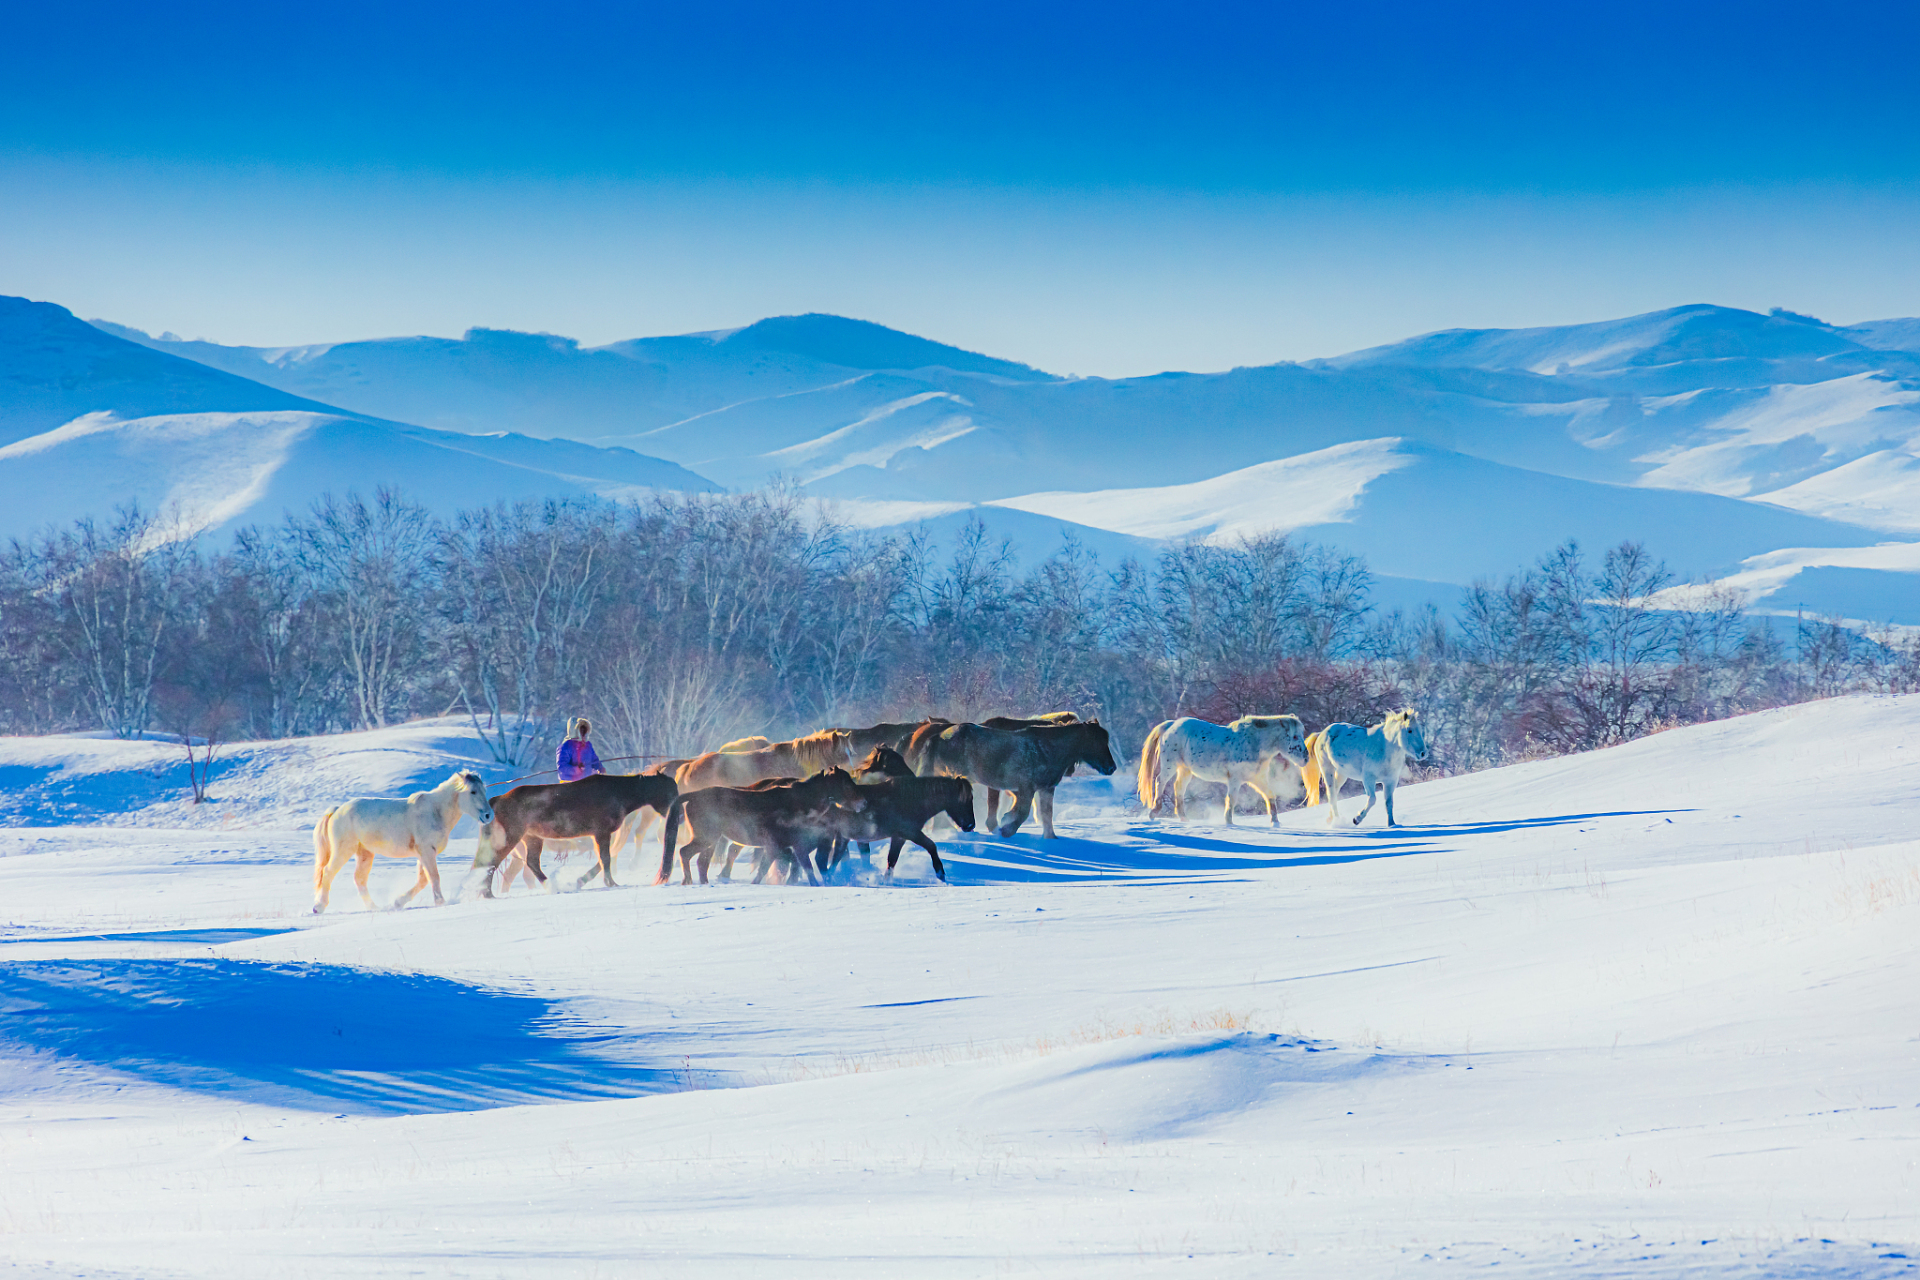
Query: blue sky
[[1093, 188]]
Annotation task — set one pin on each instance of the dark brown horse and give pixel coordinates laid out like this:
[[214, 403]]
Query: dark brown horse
[[774, 818], [594, 806], [881, 762], [898, 809], [1025, 722], [1027, 762]]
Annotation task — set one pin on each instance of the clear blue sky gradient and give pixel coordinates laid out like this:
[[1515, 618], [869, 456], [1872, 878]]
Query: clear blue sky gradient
[[1099, 188]]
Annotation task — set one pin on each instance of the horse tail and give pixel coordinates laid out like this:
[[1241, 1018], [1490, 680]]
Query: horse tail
[[1150, 767], [322, 849], [1318, 772], [670, 837]]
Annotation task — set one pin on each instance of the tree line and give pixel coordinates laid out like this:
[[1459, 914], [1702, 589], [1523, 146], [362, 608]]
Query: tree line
[[684, 620]]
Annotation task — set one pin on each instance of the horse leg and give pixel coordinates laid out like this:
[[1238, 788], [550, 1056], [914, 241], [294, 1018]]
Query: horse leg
[[1388, 787], [430, 864], [993, 805], [1044, 803], [1179, 792], [510, 871], [799, 864], [1369, 784], [1332, 781], [363, 868], [933, 851], [642, 823], [1022, 809], [893, 856], [1231, 788], [692, 851], [336, 862], [535, 845], [604, 843]]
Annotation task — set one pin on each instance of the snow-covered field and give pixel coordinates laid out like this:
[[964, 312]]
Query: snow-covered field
[[1649, 1011]]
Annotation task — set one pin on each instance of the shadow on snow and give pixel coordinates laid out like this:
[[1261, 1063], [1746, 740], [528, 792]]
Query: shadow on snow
[[1154, 851], [315, 1037]]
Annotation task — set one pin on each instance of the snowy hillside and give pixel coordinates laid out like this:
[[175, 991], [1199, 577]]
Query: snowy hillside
[[222, 470], [55, 369], [1641, 1012], [1817, 426], [89, 422]]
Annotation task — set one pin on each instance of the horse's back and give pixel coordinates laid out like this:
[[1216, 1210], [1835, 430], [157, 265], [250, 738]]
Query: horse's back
[[1205, 743], [734, 768]]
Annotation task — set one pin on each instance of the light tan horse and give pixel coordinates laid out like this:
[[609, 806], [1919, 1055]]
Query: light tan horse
[[1375, 756], [416, 827], [800, 758], [1177, 751]]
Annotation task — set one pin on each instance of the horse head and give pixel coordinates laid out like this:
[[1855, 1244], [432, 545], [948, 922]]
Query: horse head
[[473, 796], [1296, 740], [960, 803], [1413, 738], [883, 762], [838, 786], [1096, 748]]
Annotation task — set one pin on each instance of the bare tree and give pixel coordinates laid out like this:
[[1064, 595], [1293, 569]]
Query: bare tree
[[117, 586], [374, 561], [522, 588]]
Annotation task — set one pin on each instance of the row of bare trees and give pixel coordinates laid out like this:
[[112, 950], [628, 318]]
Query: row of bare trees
[[684, 620]]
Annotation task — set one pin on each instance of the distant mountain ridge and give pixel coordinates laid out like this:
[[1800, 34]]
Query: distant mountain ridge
[[90, 421], [1722, 435]]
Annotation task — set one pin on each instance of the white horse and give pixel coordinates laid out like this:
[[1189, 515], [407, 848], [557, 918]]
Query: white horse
[[416, 827], [1235, 754], [1375, 756]]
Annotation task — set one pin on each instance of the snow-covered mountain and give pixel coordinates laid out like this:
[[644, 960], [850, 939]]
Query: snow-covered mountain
[[1696, 397], [496, 380], [220, 470], [89, 421], [1721, 437]]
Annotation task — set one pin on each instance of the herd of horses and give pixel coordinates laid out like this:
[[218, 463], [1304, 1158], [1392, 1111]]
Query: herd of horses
[[803, 804]]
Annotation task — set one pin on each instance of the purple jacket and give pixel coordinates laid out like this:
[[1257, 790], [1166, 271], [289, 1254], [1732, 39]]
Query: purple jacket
[[577, 760]]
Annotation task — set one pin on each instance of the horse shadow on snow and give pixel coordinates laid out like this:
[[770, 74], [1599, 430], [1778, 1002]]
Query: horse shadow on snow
[[317, 1037], [1160, 851]]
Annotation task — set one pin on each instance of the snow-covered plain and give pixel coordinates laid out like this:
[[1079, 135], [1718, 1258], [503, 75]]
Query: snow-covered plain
[[1647, 1011]]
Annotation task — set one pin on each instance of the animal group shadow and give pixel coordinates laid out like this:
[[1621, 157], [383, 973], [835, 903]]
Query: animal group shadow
[[1161, 851], [319, 1037]]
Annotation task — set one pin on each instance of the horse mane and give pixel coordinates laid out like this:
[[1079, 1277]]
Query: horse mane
[[822, 749], [1261, 722]]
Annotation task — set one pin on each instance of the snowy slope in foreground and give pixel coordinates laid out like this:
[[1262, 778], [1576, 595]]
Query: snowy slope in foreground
[[1644, 1012]]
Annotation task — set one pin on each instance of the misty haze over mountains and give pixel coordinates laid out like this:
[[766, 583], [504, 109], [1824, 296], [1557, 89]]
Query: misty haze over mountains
[[1777, 450]]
